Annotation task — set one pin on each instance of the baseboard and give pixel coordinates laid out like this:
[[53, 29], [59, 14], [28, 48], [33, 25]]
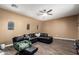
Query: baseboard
[[64, 38], [9, 45]]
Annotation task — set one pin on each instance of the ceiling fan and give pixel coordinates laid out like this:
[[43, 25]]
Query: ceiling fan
[[45, 12]]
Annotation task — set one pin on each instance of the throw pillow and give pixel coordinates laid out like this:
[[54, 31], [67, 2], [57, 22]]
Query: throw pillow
[[37, 34]]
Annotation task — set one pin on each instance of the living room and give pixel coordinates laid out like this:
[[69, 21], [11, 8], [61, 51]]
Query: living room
[[55, 25]]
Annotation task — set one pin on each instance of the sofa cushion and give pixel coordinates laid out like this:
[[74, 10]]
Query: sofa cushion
[[29, 51]]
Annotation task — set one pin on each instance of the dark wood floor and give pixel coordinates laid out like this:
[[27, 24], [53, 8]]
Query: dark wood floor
[[58, 47]]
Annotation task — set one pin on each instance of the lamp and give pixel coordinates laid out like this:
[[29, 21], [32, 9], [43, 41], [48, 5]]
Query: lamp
[[2, 46]]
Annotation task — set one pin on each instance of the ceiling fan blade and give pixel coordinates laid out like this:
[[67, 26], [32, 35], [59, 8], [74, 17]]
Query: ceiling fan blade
[[39, 14], [49, 10], [14, 5], [49, 14], [42, 11]]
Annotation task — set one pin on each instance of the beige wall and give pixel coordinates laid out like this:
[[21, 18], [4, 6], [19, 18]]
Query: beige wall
[[20, 25], [63, 27], [78, 28]]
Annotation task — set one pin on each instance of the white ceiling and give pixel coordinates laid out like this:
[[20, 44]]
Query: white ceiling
[[59, 10]]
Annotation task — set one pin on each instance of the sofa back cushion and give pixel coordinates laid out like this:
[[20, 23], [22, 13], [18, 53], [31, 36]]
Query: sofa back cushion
[[43, 35], [38, 35], [32, 35], [17, 39]]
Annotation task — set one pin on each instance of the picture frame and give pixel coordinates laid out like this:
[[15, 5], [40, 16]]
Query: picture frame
[[28, 26], [10, 25], [37, 27]]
